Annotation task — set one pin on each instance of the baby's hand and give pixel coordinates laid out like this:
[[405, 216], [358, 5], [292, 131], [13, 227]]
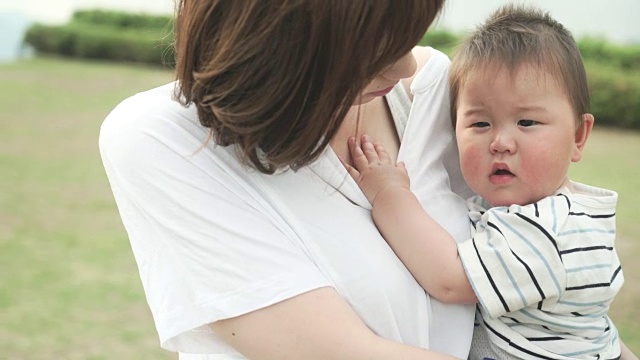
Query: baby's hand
[[373, 170]]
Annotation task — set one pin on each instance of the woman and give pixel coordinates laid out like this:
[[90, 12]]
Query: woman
[[250, 237]]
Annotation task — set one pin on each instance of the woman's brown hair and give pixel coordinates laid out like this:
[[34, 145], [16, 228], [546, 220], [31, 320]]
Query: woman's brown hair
[[276, 77]]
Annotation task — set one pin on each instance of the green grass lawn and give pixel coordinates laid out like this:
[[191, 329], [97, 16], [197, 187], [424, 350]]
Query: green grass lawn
[[70, 288]]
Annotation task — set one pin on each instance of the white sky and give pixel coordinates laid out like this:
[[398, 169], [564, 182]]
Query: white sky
[[614, 19], [59, 11], [617, 20]]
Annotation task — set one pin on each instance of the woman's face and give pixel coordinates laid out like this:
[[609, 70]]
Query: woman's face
[[388, 78]]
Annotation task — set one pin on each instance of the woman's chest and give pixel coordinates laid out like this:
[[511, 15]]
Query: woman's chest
[[340, 237], [374, 119]]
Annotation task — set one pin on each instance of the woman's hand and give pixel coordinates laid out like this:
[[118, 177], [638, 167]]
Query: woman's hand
[[318, 324], [373, 169]]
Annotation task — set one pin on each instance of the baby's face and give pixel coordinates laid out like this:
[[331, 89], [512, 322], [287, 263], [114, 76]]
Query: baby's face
[[516, 133]]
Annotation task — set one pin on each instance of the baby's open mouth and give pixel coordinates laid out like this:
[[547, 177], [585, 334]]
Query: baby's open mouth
[[502, 172]]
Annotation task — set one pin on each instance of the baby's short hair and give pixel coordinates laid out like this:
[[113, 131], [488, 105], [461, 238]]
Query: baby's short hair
[[516, 36]]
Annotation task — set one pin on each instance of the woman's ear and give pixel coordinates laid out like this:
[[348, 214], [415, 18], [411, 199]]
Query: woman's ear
[[582, 134]]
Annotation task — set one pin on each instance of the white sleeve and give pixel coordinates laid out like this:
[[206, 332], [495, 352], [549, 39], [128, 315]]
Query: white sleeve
[[430, 150], [206, 247], [430, 153]]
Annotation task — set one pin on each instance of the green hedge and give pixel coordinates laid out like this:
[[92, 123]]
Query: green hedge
[[615, 94], [101, 41], [444, 41], [613, 70], [625, 57], [613, 73], [122, 20]]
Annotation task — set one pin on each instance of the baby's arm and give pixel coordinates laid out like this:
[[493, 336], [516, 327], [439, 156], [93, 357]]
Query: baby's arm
[[426, 249]]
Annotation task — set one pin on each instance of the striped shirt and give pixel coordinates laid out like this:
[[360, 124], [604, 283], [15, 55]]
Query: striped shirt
[[546, 273]]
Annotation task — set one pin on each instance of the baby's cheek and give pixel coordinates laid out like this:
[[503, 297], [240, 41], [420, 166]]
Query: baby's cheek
[[470, 162], [544, 171]]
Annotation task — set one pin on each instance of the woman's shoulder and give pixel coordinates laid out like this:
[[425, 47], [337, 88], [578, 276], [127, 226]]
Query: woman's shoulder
[[148, 125], [145, 107], [432, 66], [152, 112], [422, 54]]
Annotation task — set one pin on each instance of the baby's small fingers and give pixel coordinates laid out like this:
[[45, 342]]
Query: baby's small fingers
[[369, 149], [360, 161], [383, 155], [353, 172], [343, 162]]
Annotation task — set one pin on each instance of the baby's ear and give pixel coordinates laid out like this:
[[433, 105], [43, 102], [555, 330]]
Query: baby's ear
[[582, 134]]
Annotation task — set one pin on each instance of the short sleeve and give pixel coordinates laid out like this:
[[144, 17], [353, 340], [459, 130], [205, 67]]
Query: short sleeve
[[208, 247], [513, 260], [429, 149], [430, 154]]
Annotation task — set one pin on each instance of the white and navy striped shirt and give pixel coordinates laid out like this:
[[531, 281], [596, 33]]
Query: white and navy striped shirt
[[546, 273]]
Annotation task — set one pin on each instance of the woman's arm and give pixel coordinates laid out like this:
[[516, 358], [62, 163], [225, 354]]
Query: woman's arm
[[427, 249], [318, 324]]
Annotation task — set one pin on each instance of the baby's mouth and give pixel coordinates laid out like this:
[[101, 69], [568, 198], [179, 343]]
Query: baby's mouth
[[501, 175], [502, 172]]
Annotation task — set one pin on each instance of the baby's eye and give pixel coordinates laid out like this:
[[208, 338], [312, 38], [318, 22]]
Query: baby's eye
[[480, 124], [527, 123]]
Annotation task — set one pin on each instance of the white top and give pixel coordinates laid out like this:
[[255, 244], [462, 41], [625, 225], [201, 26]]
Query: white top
[[214, 239], [546, 274]]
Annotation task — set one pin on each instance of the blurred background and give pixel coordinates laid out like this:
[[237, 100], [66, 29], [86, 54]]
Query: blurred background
[[614, 19], [69, 287]]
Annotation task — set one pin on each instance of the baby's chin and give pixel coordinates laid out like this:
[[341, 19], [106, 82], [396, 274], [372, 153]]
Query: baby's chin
[[499, 203], [508, 201]]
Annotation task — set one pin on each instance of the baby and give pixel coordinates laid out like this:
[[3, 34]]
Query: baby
[[541, 262]]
